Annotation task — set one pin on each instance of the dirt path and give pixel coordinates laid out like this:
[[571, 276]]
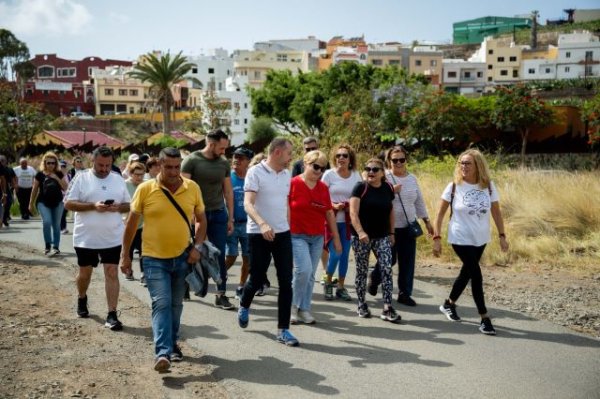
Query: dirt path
[[47, 352]]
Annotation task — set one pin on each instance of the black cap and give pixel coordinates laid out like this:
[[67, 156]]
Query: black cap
[[144, 158], [244, 151]]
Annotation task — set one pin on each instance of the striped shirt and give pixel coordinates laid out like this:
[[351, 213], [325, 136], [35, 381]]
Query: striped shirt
[[412, 198]]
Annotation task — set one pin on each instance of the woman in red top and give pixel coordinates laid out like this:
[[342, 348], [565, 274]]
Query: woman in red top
[[310, 208]]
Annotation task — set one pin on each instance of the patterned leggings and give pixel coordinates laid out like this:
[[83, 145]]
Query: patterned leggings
[[382, 248]]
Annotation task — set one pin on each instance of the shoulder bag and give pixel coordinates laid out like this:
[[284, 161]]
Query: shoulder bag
[[414, 228]]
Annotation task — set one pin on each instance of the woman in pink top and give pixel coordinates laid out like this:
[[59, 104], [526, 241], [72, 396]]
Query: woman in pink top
[[310, 208]]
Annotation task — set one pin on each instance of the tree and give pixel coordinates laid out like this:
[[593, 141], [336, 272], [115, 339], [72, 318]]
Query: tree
[[162, 72], [516, 108], [261, 129], [590, 115]]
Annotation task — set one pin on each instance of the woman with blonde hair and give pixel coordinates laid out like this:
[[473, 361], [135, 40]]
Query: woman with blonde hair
[[471, 197], [47, 193]]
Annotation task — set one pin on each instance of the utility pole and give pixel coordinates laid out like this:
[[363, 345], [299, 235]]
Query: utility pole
[[534, 26]]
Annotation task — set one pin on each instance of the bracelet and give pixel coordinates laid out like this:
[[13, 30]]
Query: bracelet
[[437, 238], [502, 235]]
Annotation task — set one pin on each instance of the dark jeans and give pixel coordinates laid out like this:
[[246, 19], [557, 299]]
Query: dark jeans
[[9, 202], [404, 251], [261, 252], [470, 256], [23, 196], [63, 220], [216, 231]]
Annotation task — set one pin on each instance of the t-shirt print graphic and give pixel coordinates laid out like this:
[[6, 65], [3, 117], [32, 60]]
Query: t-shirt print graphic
[[478, 203]]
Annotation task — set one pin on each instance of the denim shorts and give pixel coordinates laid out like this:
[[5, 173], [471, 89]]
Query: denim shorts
[[238, 235]]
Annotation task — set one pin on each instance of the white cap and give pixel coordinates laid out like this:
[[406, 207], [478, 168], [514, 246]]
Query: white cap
[[133, 157]]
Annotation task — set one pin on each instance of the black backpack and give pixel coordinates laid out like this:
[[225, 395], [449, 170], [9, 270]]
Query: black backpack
[[51, 192]]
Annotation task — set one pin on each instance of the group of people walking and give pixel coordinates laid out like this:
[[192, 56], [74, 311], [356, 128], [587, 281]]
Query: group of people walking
[[332, 204]]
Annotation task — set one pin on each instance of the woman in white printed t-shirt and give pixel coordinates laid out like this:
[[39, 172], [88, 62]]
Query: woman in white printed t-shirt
[[471, 197]]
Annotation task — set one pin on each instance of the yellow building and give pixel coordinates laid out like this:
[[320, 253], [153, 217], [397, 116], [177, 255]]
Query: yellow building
[[256, 64], [503, 62], [427, 61], [117, 93]]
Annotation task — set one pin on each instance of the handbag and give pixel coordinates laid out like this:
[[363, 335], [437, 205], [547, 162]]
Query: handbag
[[414, 228]]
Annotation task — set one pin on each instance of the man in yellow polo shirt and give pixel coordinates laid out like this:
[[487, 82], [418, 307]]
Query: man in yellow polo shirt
[[166, 248]]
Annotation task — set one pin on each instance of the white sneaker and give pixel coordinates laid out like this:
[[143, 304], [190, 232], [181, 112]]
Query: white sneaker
[[306, 317], [294, 315], [65, 231]]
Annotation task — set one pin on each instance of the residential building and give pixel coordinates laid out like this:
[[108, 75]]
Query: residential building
[[578, 56], [211, 70], [539, 64], [358, 54], [65, 86], [382, 55], [116, 92], [326, 58], [427, 61], [463, 77], [310, 45], [503, 62], [256, 64], [476, 30]]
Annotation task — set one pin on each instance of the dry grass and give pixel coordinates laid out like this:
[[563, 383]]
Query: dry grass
[[551, 217]]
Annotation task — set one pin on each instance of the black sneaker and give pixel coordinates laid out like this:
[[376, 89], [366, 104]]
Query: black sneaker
[[82, 309], [221, 301], [390, 315], [364, 312], [328, 291], [113, 322], [450, 311], [486, 326], [176, 355], [406, 300]]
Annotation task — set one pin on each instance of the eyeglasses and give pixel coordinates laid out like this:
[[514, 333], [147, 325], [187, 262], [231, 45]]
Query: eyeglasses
[[309, 149], [374, 169], [139, 174], [342, 155], [396, 160], [317, 167], [466, 163]]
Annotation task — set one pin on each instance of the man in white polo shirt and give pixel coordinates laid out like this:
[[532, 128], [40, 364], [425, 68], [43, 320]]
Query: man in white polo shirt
[[25, 174], [266, 191]]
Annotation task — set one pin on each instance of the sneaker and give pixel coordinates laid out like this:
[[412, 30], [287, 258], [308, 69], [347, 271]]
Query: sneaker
[[306, 317], [406, 300], [364, 312], [486, 326], [264, 289], [294, 315], [238, 293], [328, 292], [143, 281], [324, 279], [55, 252], [450, 311], [243, 316], [176, 355], [129, 277], [390, 315], [82, 309], [342, 293], [286, 337], [65, 231], [162, 365], [221, 301], [47, 252], [112, 322]]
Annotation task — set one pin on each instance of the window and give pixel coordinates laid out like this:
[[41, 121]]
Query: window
[[531, 71], [236, 105], [245, 130], [220, 85], [65, 72], [490, 66], [245, 121], [281, 57], [480, 74], [394, 62], [29, 92], [490, 52], [433, 63], [194, 70], [257, 75], [77, 93], [451, 74], [109, 92], [417, 62], [46, 72], [588, 70], [245, 105], [515, 73], [467, 75], [122, 92], [377, 62], [567, 69], [513, 59], [500, 59], [589, 55], [548, 70], [46, 93], [133, 92], [568, 54], [211, 70], [236, 121], [489, 78], [504, 72]]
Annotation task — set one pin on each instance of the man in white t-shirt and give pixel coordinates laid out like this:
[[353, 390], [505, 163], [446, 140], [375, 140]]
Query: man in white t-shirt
[[98, 197], [25, 175]]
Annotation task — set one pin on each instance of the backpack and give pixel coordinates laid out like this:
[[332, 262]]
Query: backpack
[[51, 192]]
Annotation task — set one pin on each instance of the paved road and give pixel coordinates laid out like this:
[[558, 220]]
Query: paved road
[[425, 356]]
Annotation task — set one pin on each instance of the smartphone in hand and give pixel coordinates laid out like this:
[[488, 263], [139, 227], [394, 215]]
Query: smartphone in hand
[[109, 202]]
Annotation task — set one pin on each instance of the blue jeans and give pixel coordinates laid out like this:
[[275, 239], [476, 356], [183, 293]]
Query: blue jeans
[[306, 250], [342, 258], [166, 285], [51, 223], [239, 235], [216, 231]]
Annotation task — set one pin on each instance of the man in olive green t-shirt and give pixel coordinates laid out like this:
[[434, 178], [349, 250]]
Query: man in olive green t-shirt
[[209, 168]]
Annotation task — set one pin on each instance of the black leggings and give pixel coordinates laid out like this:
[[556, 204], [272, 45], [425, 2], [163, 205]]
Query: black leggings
[[470, 256]]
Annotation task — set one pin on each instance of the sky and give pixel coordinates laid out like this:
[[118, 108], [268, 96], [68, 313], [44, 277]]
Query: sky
[[125, 29]]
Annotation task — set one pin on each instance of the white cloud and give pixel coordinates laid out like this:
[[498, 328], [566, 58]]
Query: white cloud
[[44, 17]]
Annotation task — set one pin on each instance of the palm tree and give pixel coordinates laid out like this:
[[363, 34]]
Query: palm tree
[[162, 72]]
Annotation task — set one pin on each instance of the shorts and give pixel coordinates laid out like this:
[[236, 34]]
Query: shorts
[[92, 256], [238, 235]]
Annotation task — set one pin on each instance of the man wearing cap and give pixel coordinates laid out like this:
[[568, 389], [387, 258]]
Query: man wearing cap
[[241, 160], [25, 175], [132, 158]]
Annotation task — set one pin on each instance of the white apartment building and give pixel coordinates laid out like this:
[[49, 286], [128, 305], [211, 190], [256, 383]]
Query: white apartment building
[[578, 56], [310, 45], [463, 77], [256, 64], [538, 69], [359, 55], [212, 70]]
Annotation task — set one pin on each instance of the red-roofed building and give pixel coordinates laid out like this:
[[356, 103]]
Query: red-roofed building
[[65, 86], [77, 138]]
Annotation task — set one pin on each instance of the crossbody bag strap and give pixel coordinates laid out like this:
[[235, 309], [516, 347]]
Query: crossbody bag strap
[[176, 205], [400, 198], [452, 197]]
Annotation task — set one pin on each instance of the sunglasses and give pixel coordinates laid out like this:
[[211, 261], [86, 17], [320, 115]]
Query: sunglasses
[[396, 160], [342, 155], [466, 163], [309, 149], [374, 169], [50, 163], [317, 167]]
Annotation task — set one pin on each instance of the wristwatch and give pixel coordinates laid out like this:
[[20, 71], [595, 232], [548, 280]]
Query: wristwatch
[[198, 247]]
